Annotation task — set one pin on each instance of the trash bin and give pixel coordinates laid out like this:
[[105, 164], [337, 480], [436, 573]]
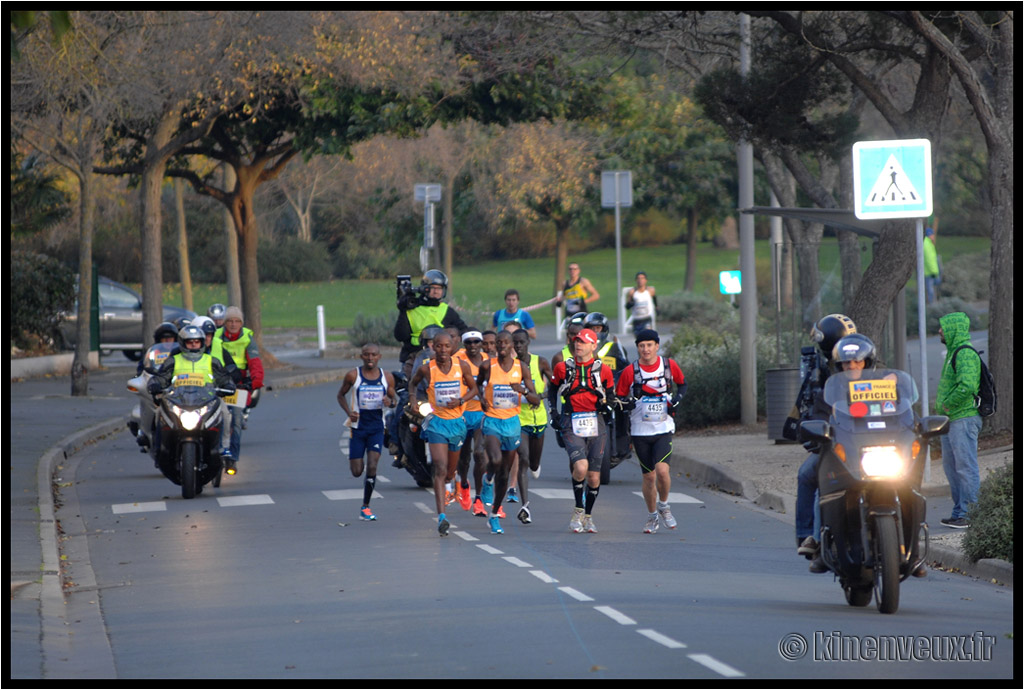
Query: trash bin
[[781, 388]]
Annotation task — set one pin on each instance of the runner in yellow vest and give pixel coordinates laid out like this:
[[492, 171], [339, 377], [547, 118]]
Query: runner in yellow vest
[[533, 419]]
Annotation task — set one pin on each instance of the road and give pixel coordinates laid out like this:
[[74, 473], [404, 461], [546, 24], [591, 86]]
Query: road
[[273, 576]]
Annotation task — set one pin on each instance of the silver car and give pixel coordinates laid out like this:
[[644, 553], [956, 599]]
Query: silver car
[[120, 320]]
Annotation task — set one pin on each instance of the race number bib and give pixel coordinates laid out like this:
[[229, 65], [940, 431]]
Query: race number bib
[[188, 380], [584, 424], [371, 398], [653, 408], [446, 392], [504, 398]]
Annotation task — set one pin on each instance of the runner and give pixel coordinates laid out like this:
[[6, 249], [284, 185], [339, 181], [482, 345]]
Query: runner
[[533, 419], [646, 387], [506, 379], [577, 292], [449, 385], [584, 383], [513, 314], [472, 354], [372, 389]]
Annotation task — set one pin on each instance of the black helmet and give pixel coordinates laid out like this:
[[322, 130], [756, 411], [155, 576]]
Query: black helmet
[[430, 332], [190, 334], [436, 277], [216, 311], [181, 322], [830, 329], [596, 321], [164, 330], [855, 347]]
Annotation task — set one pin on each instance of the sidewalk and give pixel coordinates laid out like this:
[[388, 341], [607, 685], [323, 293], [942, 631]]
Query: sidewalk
[[47, 425]]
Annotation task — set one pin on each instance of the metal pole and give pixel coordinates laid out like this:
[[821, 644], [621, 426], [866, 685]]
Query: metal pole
[[618, 255], [321, 331], [748, 296], [922, 334]]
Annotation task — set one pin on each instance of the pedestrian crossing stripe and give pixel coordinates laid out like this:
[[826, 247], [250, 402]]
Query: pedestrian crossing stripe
[[348, 494], [567, 494], [150, 507]]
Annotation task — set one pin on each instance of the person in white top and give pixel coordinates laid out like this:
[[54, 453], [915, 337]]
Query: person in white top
[[646, 389], [641, 301]]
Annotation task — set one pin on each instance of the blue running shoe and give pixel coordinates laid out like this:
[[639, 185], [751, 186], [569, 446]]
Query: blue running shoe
[[488, 492], [442, 525], [495, 525], [366, 514], [511, 496]]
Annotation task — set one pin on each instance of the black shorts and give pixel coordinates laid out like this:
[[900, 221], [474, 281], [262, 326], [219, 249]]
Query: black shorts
[[591, 449], [650, 450]]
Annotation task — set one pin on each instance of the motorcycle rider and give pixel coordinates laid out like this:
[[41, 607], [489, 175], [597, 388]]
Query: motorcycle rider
[[584, 383], [810, 404], [164, 333], [239, 342], [192, 359], [372, 389], [421, 307], [216, 313]]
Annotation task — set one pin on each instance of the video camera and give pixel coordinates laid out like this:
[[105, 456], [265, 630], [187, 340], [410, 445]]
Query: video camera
[[407, 295]]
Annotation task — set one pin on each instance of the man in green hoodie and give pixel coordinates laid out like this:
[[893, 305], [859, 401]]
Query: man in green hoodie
[[956, 399]]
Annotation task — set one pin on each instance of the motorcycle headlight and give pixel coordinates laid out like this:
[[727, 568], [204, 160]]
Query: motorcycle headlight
[[425, 409], [882, 462], [189, 418]]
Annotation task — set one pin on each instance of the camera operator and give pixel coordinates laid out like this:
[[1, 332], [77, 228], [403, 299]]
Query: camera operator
[[421, 306]]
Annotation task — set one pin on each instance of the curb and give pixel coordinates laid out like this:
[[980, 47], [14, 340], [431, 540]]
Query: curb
[[710, 475]]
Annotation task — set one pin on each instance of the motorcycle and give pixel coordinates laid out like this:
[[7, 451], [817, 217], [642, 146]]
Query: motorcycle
[[873, 529], [189, 427], [402, 434], [142, 419]]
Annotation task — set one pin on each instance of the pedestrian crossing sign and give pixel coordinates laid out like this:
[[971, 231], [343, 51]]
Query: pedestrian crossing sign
[[892, 179]]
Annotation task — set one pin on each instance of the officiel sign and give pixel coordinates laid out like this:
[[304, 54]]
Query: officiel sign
[[892, 179]]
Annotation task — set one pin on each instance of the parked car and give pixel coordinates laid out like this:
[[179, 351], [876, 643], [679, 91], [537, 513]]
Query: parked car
[[120, 320]]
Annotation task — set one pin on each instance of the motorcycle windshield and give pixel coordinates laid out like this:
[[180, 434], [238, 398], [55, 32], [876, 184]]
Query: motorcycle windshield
[[191, 396], [156, 355], [870, 394]]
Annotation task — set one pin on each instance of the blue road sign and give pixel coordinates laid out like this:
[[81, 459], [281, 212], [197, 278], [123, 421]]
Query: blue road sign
[[892, 179], [730, 282]]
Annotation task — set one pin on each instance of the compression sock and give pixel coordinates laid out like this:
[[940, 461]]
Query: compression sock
[[577, 491], [592, 492], [368, 487]]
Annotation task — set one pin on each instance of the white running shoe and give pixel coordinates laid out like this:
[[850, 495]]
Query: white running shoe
[[666, 516], [588, 524], [576, 523], [652, 524]]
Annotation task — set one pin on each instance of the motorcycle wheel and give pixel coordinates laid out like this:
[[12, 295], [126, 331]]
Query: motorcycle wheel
[[188, 470], [858, 595], [887, 570]]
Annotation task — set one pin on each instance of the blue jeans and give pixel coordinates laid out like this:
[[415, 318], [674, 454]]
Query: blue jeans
[[808, 513], [231, 433], [960, 461]]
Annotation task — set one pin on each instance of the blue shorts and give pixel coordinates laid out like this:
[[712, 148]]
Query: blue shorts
[[449, 431], [365, 440], [507, 431], [474, 419]]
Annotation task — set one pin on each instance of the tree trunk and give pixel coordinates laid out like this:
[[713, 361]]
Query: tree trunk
[[184, 271], [87, 208], [561, 252], [152, 268], [1001, 331], [888, 273], [447, 204], [232, 277], [691, 249]]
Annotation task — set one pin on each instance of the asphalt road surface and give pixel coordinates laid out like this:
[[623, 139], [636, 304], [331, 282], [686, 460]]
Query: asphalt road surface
[[273, 576]]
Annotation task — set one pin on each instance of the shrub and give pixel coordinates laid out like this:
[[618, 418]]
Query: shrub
[[991, 532], [379, 328], [291, 260], [691, 308], [966, 276], [938, 309], [41, 288]]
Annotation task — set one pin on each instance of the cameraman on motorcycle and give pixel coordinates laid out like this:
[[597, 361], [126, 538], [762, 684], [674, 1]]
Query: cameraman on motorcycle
[[420, 307], [810, 405]]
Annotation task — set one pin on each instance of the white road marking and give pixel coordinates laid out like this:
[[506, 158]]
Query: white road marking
[[661, 639], [516, 562], [348, 494], [617, 616], [716, 665], [553, 493], [489, 549], [542, 576], [253, 500], [465, 536], [575, 594], [424, 508], [382, 478], [152, 507], [672, 497]]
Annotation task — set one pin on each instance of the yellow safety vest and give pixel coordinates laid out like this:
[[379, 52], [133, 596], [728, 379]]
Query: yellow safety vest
[[235, 348], [421, 317], [189, 373]]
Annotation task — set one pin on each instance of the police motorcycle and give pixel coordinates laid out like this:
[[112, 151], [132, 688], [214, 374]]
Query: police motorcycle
[[873, 529], [188, 429]]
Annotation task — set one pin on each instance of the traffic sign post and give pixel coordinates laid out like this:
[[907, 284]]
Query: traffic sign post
[[428, 194], [893, 179], [616, 192]]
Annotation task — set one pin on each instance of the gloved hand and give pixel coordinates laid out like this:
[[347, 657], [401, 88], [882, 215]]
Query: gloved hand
[[154, 387]]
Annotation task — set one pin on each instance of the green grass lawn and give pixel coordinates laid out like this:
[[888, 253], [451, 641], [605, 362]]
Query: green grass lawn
[[480, 288]]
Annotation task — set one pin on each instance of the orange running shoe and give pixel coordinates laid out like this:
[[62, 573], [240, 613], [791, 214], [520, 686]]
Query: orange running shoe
[[478, 508], [465, 497]]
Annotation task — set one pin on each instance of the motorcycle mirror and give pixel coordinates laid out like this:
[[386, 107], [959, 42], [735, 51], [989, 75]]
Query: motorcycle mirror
[[815, 430], [935, 425]]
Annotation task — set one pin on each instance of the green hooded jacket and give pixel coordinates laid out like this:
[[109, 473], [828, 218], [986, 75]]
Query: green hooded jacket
[[955, 397]]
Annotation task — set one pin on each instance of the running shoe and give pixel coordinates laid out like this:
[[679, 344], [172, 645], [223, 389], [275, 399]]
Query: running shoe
[[536, 472], [501, 512], [588, 524], [495, 525], [666, 517], [487, 494], [366, 514], [524, 515], [478, 507], [449, 497], [442, 526], [511, 496], [465, 497], [651, 526], [576, 522]]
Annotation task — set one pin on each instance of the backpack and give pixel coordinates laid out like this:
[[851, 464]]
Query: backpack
[[986, 399], [571, 386], [639, 380]]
